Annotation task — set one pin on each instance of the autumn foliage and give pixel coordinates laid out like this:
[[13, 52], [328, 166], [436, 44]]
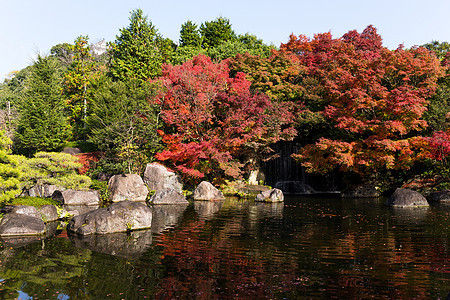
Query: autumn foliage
[[212, 121], [373, 98]]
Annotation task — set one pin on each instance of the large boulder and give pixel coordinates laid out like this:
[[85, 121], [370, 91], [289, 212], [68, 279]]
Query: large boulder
[[294, 187], [118, 217], [23, 210], [44, 191], [48, 213], [406, 198], [273, 195], [15, 224], [439, 197], [157, 177], [127, 187], [168, 196], [76, 210], [76, 197], [362, 191], [207, 192]]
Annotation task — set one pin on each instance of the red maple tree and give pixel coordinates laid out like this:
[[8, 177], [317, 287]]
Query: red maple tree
[[212, 122], [373, 98]]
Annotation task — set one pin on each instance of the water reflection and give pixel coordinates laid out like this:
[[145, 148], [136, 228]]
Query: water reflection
[[207, 209], [129, 245], [166, 216], [307, 248]]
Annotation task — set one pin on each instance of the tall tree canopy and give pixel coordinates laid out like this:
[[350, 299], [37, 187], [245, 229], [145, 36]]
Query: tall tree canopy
[[374, 99], [139, 51], [216, 32], [42, 125], [190, 35]]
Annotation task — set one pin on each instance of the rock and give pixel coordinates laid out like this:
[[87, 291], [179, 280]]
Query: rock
[[103, 176], [168, 196], [118, 217], [166, 216], [206, 191], [406, 198], [48, 213], [44, 191], [127, 187], [129, 245], [14, 224], [294, 187], [157, 177], [273, 195], [76, 197], [76, 210], [71, 150], [24, 210], [439, 197], [362, 191]]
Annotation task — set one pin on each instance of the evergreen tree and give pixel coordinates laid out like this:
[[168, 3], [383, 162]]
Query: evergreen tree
[[41, 123], [123, 123], [215, 32], [76, 85], [190, 35], [139, 51], [9, 170]]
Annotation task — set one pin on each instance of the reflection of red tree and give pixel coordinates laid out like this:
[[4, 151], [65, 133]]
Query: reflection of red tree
[[210, 266]]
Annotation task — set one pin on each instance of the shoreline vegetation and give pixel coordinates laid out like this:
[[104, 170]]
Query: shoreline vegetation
[[212, 105]]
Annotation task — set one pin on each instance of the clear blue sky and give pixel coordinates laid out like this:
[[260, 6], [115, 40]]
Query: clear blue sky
[[29, 27]]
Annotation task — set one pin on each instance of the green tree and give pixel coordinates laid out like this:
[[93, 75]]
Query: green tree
[[10, 173], [215, 32], [247, 43], [53, 168], [139, 50], [123, 123], [41, 124], [190, 35], [76, 83]]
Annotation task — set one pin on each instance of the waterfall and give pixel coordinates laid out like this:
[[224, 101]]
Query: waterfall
[[285, 168]]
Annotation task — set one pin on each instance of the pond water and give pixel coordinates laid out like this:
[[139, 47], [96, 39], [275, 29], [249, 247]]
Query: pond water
[[308, 248]]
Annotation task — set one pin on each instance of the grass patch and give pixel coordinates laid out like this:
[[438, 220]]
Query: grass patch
[[34, 201]]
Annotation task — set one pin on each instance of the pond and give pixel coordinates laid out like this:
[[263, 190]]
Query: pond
[[309, 248]]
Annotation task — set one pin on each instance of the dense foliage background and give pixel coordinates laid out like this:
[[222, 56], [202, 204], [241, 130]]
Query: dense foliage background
[[211, 105]]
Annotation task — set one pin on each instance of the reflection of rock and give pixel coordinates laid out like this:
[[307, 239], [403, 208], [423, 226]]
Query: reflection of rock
[[168, 196], [19, 241], [128, 245], [270, 209], [129, 187], [439, 197], [207, 209], [165, 216], [362, 191], [14, 224], [118, 217], [406, 198], [206, 191], [76, 210], [273, 195], [294, 187], [410, 216]]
